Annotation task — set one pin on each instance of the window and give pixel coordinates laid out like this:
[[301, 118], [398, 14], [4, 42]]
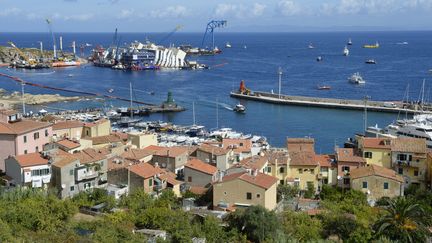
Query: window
[[312, 171], [416, 173], [368, 155], [25, 139], [25, 151], [400, 171], [281, 182], [282, 170], [151, 182], [268, 169], [346, 169], [87, 133], [71, 172], [386, 185], [346, 181], [46, 133], [401, 157], [87, 185], [72, 188], [300, 171], [40, 172], [189, 178], [36, 135], [324, 169], [365, 184], [101, 163], [37, 148], [258, 195], [241, 144], [410, 157], [225, 193], [248, 196]]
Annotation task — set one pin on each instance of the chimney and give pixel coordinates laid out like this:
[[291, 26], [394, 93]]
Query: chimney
[[254, 172], [156, 165]]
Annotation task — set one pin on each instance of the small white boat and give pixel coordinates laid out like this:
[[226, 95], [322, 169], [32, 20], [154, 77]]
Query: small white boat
[[349, 42], [370, 61], [356, 79], [319, 59], [310, 46], [346, 51], [227, 45], [239, 108]]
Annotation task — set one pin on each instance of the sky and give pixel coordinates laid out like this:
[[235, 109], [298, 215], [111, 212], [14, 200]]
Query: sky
[[193, 15]]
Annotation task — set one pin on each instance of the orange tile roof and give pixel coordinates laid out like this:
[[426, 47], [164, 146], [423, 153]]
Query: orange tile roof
[[199, 165], [59, 125], [170, 177], [281, 157], [64, 160], [31, 159], [347, 155], [88, 156], [325, 160], [377, 143], [409, 145], [235, 144], [300, 144], [145, 170], [198, 190], [172, 151], [254, 162], [213, 149], [260, 180], [118, 162], [375, 170], [153, 148], [112, 138], [68, 144], [95, 123], [123, 136], [22, 126], [300, 158], [8, 112], [136, 154]]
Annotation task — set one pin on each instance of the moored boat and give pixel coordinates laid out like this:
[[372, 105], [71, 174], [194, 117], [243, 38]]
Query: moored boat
[[323, 87], [356, 78], [346, 51]]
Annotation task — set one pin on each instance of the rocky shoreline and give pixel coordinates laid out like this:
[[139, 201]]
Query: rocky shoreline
[[10, 100]]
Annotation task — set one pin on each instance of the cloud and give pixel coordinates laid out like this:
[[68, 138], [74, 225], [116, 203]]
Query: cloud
[[239, 11], [177, 11], [75, 17], [288, 8], [10, 12], [125, 13]]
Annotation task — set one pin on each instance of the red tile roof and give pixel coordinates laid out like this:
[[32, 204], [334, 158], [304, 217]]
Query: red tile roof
[[281, 157], [88, 156], [199, 165], [135, 154], [31, 159], [95, 123], [377, 143], [145, 170], [300, 144], [68, 144], [260, 180], [409, 145], [64, 160], [172, 151], [59, 125], [238, 145], [375, 170], [198, 190], [302, 158], [347, 155], [254, 162], [325, 160], [22, 126], [213, 150]]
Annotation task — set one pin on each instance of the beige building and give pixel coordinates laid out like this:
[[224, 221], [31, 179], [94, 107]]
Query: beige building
[[217, 156], [376, 151], [198, 173], [98, 128], [245, 189], [328, 169], [171, 158], [304, 169], [377, 182], [142, 139], [112, 140], [242, 148], [277, 166], [71, 129]]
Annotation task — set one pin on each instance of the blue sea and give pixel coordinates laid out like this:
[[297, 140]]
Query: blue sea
[[397, 67]]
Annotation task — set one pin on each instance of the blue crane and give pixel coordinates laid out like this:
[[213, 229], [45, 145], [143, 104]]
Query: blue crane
[[210, 30]]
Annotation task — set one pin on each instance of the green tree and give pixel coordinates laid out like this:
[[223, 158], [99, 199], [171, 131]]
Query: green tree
[[310, 192], [286, 191], [301, 226], [403, 220], [258, 223]]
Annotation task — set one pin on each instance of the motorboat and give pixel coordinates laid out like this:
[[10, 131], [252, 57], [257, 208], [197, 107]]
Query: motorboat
[[376, 45], [370, 61], [319, 59], [227, 45], [239, 108], [346, 51], [310, 46], [356, 78], [324, 87], [349, 43], [110, 90]]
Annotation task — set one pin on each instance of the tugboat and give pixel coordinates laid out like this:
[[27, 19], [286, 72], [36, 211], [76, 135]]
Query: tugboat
[[349, 43], [356, 79], [239, 108], [370, 61], [346, 51]]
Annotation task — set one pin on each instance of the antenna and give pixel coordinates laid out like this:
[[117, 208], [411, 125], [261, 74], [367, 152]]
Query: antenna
[[280, 81]]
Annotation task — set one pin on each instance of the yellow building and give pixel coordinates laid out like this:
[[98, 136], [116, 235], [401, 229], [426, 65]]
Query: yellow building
[[328, 169], [277, 165], [304, 169], [67, 129], [98, 128], [245, 189], [142, 140], [376, 151]]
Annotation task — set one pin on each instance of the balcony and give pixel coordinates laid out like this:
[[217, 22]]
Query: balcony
[[406, 163]]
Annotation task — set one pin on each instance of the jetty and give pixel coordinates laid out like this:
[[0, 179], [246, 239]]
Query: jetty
[[332, 103]]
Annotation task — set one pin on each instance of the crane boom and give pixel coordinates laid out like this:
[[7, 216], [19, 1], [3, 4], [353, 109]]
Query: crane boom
[[210, 29], [19, 51]]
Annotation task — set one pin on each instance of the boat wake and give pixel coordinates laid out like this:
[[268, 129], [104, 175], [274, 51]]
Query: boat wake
[[223, 105]]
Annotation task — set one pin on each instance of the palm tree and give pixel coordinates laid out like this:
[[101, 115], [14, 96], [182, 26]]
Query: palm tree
[[404, 221]]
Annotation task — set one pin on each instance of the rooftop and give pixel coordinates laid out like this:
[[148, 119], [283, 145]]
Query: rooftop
[[112, 138], [237, 144], [199, 165], [300, 144], [31, 159], [64, 160], [95, 123], [136, 154], [22, 126], [213, 149], [260, 180], [377, 143], [281, 157], [302, 158], [375, 170], [145, 170], [88, 156], [325, 160], [59, 125], [254, 162], [172, 151], [348, 155], [69, 144], [409, 145]]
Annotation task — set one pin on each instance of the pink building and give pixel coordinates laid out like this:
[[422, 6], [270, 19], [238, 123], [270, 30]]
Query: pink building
[[21, 136]]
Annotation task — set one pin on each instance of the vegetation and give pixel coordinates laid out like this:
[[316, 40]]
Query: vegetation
[[285, 191], [28, 215]]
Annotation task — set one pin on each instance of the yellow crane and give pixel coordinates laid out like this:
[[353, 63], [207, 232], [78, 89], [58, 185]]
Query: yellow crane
[[29, 61]]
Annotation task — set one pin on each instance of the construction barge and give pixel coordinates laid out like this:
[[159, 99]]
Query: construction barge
[[332, 103]]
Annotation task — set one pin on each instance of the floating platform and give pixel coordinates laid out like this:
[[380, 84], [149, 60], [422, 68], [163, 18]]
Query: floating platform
[[377, 106]]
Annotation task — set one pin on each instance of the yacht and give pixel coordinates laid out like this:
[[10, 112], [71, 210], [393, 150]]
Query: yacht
[[420, 126], [370, 61], [239, 108], [356, 79], [346, 51]]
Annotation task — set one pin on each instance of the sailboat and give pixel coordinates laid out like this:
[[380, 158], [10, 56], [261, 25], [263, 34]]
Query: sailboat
[[127, 121], [195, 130], [346, 51]]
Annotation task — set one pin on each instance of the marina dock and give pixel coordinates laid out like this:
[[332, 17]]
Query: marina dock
[[377, 106]]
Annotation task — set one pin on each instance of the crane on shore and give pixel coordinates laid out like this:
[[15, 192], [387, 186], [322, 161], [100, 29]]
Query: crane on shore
[[22, 54], [211, 26], [49, 22]]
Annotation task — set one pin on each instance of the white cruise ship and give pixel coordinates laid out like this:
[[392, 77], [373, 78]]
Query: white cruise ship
[[418, 127]]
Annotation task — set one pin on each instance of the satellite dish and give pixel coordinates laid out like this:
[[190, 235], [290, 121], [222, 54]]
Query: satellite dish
[[63, 186], [339, 177]]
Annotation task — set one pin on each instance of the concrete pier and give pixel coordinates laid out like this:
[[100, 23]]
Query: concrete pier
[[378, 106]]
